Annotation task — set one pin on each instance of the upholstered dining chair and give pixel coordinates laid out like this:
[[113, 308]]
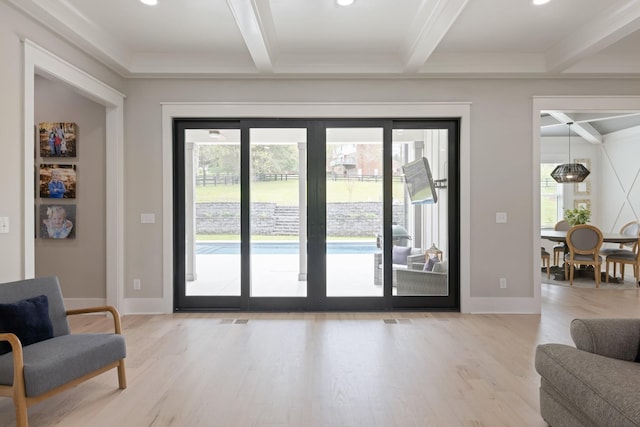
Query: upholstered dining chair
[[629, 229], [558, 250], [625, 257], [584, 242]]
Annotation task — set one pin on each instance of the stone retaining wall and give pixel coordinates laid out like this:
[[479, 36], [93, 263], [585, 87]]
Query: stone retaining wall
[[343, 219]]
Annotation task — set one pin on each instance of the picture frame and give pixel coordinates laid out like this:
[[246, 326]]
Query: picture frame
[[57, 181], [583, 188], [57, 221], [58, 139], [582, 203]]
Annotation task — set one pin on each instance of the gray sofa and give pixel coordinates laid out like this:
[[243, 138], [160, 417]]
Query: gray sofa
[[597, 383], [415, 281]]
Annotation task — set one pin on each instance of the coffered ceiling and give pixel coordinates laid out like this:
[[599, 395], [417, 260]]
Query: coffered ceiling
[[396, 38]]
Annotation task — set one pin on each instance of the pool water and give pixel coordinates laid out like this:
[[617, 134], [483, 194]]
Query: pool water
[[282, 248]]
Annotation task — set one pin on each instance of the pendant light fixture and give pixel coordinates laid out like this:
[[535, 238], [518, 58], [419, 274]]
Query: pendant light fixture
[[570, 172]]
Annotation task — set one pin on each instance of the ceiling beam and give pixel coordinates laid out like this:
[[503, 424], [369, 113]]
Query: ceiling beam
[[254, 21], [614, 24], [584, 129], [432, 22]]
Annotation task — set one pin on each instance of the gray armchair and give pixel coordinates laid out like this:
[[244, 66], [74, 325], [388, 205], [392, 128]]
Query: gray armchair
[[597, 383], [39, 357]]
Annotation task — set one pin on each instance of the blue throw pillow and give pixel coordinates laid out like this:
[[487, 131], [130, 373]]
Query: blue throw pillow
[[400, 254], [28, 319], [428, 266]]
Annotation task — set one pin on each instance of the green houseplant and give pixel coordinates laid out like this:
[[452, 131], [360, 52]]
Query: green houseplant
[[577, 216]]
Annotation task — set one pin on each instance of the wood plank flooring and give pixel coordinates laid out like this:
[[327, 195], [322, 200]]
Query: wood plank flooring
[[327, 369]]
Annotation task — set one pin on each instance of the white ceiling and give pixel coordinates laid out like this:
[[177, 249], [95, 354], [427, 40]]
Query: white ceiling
[[408, 38], [386, 38]]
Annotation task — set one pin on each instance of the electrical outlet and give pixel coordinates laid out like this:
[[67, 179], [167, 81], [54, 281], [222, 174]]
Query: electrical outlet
[[503, 283], [136, 284], [4, 224]]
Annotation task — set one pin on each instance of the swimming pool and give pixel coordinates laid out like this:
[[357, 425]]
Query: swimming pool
[[281, 248]]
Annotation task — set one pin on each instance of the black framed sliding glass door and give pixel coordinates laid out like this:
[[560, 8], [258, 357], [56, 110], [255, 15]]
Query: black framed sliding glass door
[[305, 214]]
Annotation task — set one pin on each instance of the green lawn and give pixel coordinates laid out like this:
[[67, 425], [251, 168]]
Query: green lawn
[[286, 192]]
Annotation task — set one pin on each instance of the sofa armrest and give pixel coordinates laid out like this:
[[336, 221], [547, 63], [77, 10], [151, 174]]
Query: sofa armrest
[[106, 309], [615, 338]]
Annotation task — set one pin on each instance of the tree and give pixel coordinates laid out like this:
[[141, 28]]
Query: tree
[[274, 159], [218, 158]]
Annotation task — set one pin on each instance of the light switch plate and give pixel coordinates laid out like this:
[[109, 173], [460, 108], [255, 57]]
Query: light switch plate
[[501, 217], [147, 218]]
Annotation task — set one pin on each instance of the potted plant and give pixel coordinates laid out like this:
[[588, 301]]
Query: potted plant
[[577, 216]]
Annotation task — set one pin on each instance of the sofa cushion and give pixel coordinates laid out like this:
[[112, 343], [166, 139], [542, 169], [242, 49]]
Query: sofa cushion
[[428, 266], [52, 363], [28, 319], [400, 254]]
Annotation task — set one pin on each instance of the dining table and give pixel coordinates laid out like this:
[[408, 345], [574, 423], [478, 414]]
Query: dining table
[[560, 236]]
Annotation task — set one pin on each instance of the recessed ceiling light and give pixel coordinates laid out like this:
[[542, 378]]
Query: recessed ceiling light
[[150, 2], [344, 2], [540, 2]]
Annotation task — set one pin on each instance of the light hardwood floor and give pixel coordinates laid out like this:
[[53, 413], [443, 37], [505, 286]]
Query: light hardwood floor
[[327, 369]]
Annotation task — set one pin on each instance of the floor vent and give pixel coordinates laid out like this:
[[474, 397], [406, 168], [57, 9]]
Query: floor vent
[[405, 321], [390, 321], [241, 321]]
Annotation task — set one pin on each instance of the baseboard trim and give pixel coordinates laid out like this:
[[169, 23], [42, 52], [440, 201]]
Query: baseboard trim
[[144, 306], [503, 305]]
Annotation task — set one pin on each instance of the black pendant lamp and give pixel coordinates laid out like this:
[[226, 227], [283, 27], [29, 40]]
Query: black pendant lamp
[[570, 172]]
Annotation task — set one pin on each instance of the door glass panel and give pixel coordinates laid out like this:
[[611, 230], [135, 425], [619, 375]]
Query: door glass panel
[[420, 217], [212, 211], [354, 211], [278, 212]]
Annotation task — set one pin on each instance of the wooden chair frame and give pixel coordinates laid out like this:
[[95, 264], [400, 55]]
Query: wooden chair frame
[[17, 391], [558, 250], [624, 261], [571, 262], [546, 260]]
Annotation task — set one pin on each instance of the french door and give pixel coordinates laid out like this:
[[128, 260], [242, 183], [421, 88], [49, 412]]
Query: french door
[[293, 214]]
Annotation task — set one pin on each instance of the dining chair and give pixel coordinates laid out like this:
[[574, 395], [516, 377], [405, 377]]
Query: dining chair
[[627, 257], [584, 242], [629, 229], [558, 250], [546, 260]]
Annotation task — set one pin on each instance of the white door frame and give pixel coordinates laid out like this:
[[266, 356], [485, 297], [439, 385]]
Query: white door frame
[[580, 104], [39, 61], [171, 110]]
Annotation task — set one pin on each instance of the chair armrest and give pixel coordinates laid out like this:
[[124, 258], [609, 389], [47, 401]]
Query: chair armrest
[[18, 360], [415, 259], [419, 266], [615, 338], [114, 312]]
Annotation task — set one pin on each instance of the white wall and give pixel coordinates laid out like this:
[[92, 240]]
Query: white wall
[[14, 27], [79, 263], [501, 149], [620, 179]]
